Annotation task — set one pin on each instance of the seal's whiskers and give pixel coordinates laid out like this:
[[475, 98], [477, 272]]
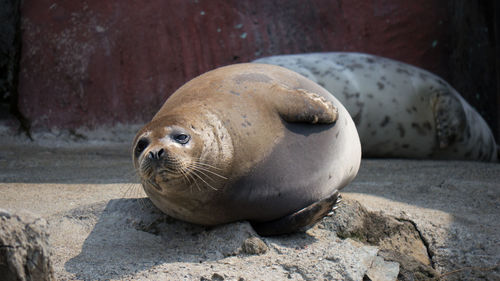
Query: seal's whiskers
[[198, 161], [194, 172], [133, 190], [188, 178], [204, 168]]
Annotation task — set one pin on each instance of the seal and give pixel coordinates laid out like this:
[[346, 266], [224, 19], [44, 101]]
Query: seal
[[399, 110], [248, 142]]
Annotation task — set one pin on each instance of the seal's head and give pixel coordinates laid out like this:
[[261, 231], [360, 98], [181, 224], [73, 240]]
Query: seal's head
[[164, 153]]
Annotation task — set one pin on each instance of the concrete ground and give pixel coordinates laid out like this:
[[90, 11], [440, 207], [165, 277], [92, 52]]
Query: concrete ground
[[99, 230]]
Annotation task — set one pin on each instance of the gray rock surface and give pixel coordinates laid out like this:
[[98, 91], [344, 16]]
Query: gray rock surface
[[130, 237], [454, 206], [382, 270], [99, 229], [24, 248], [397, 239], [254, 246]]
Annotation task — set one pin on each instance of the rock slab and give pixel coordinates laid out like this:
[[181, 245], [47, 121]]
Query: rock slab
[[24, 248]]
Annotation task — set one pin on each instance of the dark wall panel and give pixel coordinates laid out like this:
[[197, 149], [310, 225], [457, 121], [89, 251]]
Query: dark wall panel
[[87, 63]]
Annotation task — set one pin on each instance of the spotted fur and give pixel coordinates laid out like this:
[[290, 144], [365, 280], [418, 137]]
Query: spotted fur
[[399, 110]]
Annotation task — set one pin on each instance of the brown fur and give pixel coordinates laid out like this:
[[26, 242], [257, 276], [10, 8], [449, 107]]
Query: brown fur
[[265, 143]]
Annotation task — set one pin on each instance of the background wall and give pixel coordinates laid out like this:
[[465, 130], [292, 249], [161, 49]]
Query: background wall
[[89, 63]]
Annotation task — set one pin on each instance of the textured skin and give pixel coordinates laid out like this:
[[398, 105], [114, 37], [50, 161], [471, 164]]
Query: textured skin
[[399, 110], [278, 142]]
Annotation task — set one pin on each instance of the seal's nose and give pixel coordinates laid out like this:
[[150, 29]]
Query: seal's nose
[[157, 154]]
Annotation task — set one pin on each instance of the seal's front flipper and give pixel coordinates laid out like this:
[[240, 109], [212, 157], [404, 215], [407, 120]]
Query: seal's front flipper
[[300, 220], [299, 105], [449, 116]]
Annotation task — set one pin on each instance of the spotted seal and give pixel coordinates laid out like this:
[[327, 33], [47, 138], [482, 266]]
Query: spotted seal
[[399, 110], [248, 142]]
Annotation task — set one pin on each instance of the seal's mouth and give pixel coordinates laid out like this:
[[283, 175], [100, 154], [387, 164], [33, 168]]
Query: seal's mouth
[[158, 178], [159, 171], [172, 172], [152, 183]]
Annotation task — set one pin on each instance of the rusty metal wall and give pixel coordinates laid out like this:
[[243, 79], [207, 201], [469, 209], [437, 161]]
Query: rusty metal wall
[[88, 63]]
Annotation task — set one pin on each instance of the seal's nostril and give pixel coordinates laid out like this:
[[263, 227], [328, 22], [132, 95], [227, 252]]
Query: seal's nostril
[[156, 154], [160, 153]]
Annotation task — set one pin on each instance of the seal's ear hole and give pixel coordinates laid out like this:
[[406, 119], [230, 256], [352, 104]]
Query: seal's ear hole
[[141, 145], [182, 138]]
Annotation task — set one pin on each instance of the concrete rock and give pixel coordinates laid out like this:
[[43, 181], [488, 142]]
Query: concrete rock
[[452, 204], [155, 243], [397, 239], [101, 230], [24, 248], [382, 270], [254, 246]]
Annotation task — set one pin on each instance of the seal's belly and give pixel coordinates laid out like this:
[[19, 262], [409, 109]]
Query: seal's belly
[[309, 163]]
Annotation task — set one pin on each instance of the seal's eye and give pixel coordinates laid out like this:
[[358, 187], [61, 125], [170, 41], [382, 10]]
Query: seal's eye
[[182, 138], [141, 145]]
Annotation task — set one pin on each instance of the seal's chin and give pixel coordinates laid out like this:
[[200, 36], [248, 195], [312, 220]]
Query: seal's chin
[[148, 184], [159, 174], [162, 178]]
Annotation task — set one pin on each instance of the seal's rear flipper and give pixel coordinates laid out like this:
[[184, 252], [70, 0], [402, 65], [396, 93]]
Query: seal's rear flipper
[[449, 116], [300, 220]]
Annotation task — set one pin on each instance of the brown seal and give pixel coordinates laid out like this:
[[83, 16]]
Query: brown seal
[[248, 142]]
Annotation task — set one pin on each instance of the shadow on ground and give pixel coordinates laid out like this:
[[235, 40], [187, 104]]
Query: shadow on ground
[[131, 235]]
